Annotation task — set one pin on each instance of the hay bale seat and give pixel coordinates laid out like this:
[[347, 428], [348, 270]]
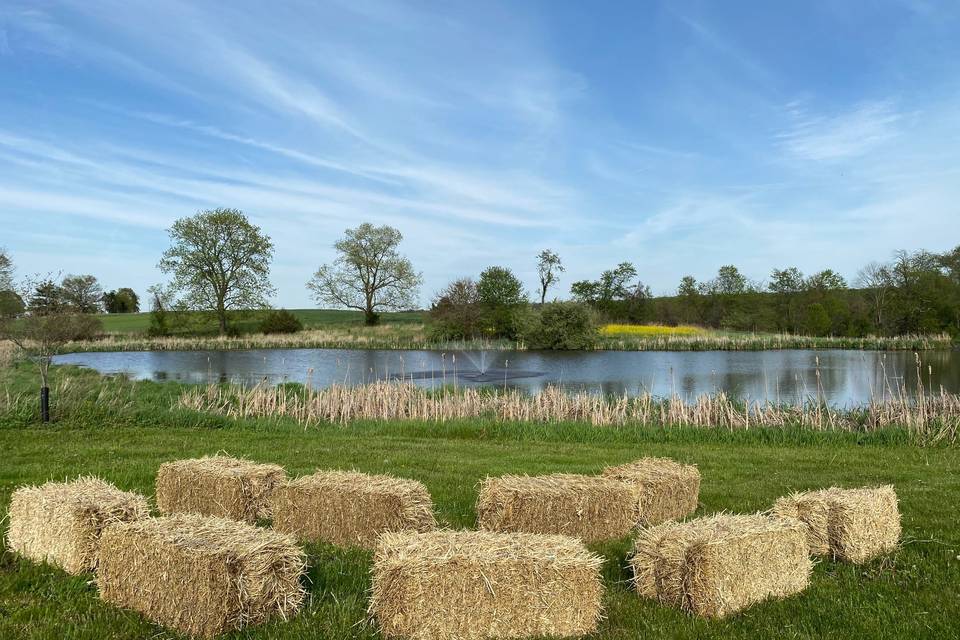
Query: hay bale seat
[[61, 522], [200, 575], [667, 490], [468, 585], [718, 565], [855, 525], [348, 508], [591, 508], [217, 486]]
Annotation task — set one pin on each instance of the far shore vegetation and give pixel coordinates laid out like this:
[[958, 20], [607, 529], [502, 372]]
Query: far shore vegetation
[[218, 264]]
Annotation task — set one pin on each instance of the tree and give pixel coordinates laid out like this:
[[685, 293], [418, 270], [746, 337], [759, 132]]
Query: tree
[[42, 333], [123, 300], [501, 298], [548, 266], [614, 284], [219, 262], [456, 310], [786, 284], [730, 281], [816, 320], [826, 280], [564, 326], [82, 293], [6, 271], [369, 274], [876, 281], [161, 301], [46, 297]]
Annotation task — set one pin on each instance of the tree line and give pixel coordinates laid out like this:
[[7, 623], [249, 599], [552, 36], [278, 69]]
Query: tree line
[[219, 262]]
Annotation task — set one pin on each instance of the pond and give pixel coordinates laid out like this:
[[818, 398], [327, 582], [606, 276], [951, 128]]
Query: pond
[[843, 378]]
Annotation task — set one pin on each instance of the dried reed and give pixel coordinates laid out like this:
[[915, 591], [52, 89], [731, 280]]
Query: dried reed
[[929, 419]]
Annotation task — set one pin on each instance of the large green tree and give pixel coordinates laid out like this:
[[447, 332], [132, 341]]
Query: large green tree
[[82, 293], [122, 300], [219, 261], [368, 274]]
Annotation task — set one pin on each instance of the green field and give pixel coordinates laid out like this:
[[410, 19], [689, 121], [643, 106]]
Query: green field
[[247, 322], [123, 431]]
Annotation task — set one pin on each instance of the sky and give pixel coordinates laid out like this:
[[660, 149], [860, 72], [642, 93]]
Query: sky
[[677, 135]]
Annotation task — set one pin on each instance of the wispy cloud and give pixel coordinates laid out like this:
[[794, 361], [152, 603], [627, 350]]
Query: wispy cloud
[[848, 134]]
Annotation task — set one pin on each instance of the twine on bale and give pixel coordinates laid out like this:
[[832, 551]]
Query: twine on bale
[[218, 486], [591, 508], [853, 525], [349, 508], [61, 522], [718, 565], [468, 585], [201, 575]]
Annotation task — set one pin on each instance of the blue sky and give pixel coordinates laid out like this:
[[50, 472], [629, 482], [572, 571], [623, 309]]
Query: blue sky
[[680, 136]]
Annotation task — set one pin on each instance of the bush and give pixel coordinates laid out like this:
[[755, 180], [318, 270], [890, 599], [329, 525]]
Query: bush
[[568, 326], [280, 321]]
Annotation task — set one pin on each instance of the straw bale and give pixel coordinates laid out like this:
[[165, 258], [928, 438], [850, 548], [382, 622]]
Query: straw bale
[[467, 585], [718, 565], [349, 508], [590, 507], [61, 522], [217, 486], [201, 575], [667, 489], [854, 525]]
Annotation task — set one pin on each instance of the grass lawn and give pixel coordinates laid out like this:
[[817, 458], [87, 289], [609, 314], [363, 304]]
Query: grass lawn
[[123, 435], [311, 319]]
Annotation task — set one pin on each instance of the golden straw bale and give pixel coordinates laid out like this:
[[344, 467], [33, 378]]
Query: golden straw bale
[[201, 575], [349, 508], [217, 486], [718, 565], [668, 490], [467, 585], [855, 525], [590, 507], [61, 522]]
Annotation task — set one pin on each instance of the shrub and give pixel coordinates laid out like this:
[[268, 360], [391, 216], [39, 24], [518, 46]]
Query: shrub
[[280, 321], [564, 326]]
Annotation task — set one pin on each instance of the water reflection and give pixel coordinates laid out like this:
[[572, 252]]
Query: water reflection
[[839, 377]]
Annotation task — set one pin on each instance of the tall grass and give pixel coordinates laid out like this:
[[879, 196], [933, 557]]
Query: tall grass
[[716, 341], [928, 418], [415, 337]]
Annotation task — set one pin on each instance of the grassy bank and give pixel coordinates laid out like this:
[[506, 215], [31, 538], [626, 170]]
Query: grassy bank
[[331, 329], [123, 431]]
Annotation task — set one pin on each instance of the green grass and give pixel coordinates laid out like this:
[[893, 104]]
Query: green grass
[[248, 322], [123, 431]]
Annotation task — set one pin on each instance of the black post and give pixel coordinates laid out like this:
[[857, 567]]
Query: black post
[[45, 404]]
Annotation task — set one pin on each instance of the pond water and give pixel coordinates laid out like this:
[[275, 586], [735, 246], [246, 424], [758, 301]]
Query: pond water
[[842, 378]]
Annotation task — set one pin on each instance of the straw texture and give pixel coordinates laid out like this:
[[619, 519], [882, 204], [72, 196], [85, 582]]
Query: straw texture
[[589, 507], [200, 575], [854, 525], [716, 566], [217, 486], [61, 522], [667, 490], [348, 508], [468, 585]]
